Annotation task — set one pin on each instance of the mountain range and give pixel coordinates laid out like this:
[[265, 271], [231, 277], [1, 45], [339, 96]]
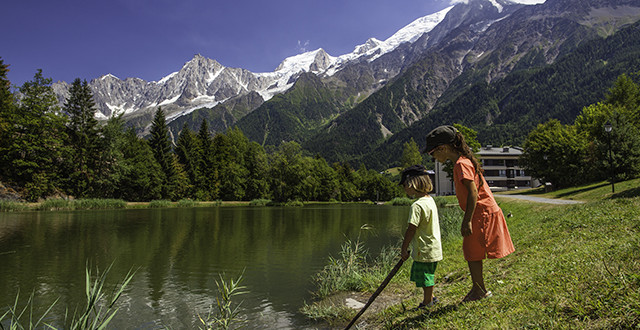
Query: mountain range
[[441, 68]]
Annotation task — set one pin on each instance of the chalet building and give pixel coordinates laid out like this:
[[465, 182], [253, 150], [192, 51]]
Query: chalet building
[[501, 170]]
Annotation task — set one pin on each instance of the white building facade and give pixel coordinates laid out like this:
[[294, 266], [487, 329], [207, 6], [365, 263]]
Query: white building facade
[[501, 170]]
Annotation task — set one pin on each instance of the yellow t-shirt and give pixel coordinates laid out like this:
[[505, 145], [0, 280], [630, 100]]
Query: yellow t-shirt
[[426, 245]]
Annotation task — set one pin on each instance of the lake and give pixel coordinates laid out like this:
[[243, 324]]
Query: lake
[[179, 253]]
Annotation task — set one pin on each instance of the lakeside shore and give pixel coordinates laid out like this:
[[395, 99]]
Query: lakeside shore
[[575, 266]]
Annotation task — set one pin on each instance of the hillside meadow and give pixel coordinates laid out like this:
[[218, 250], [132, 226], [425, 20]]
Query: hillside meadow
[[575, 266]]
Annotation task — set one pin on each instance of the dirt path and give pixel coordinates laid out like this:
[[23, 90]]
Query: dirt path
[[540, 199]]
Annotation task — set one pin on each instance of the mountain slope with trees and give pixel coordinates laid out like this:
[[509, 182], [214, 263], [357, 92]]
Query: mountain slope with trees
[[507, 110]]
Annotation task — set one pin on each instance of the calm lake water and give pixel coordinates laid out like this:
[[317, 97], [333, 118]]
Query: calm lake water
[[179, 253]]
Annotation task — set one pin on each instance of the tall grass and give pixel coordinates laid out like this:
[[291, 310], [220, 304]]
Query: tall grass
[[227, 313], [161, 203], [97, 314], [187, 203], [22, 317], [346, 272], [11, 206], [401, 201], [99, 309], [57, 204], [260, 202]]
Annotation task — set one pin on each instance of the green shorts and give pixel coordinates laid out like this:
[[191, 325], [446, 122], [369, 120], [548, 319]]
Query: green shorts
[[423, 273]]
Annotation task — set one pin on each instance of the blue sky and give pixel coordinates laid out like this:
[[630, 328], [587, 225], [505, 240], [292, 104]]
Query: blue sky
[[150, 39]]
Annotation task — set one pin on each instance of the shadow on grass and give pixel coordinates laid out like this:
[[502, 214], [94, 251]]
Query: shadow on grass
[[578, 191], [629, 193], [534, 191], [414, 321]]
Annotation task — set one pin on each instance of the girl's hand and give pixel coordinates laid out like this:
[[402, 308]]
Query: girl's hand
[[465, 229]]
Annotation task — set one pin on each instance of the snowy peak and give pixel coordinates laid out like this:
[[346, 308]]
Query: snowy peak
[[314, 61]]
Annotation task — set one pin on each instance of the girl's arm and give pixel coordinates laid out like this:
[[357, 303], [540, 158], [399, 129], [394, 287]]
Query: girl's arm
[[408, 236], [472, 199]]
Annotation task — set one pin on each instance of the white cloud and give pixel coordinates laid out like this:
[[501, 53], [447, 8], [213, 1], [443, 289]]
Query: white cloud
[[303, 46]]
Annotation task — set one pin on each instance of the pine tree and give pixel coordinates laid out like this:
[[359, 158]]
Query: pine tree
[[161, 146], [207, 183], [7, 107], [35, 151], [187, 156], [83, 139]]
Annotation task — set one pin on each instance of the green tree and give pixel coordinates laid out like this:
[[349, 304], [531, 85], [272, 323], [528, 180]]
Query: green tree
[[229, 151], [257, 165], [111, 171], [35, 148], [187, 155], [287, 172], [621, 109], [7, 108], [410, 154], [207, 182], [161, 146], [142, 176], [349, 183], [83, 140], [555, 153]]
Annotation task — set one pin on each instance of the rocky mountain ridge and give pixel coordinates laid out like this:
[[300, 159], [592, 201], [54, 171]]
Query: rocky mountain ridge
[[205, 83]]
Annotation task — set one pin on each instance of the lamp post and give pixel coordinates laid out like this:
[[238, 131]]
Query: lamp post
[[608, 128]]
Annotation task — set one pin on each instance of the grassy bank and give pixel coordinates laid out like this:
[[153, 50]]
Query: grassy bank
[[94, 204], [575, 266], [591, 192]]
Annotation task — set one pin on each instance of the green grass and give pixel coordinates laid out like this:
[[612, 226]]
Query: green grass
[[187, 203], [10, 206], [591, 192], [260, 202], [160, 203], [575, 266]]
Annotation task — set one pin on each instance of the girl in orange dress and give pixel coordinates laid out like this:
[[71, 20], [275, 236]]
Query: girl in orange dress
[[484, 227]]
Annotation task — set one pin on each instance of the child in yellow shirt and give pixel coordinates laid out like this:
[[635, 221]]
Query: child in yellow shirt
[[423, 232]]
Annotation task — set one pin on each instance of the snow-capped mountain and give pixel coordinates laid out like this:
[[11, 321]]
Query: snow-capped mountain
[[203, 82]]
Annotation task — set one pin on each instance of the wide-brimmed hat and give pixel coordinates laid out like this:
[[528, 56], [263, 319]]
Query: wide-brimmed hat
[[411, 171], [440, 135]]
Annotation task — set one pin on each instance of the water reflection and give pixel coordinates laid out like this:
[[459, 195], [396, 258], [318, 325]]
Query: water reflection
[[179, 253]]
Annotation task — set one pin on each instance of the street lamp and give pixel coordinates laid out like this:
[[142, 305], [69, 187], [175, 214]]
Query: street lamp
[[608, 128]]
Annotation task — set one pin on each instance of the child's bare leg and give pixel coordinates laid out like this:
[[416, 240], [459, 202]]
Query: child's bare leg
[[478, 290], [428, 295]]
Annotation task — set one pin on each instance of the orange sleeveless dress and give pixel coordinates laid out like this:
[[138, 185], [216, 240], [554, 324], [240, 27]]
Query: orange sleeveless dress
[[490, 236]]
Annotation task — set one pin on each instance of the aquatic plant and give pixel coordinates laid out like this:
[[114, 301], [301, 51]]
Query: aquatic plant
[[227, 313]]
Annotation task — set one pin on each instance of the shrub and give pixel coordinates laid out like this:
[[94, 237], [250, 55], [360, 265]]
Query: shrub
[[160, 203], [260, 202], [401, 201]]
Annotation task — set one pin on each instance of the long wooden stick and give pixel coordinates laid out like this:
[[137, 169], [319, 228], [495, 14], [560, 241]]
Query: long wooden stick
[[377, 293]]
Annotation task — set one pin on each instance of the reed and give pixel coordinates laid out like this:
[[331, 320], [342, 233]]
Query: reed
[[99, 309], [97, 314], [186, 203], [401, 201], [11, 206], [227, 313], [260, 202], [161, 203], [55, 204], [98, 204]]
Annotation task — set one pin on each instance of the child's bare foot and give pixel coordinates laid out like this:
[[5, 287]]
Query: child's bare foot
[[473, 296]]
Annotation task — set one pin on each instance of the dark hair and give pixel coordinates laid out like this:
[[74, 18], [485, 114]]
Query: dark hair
[[461, 146]]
